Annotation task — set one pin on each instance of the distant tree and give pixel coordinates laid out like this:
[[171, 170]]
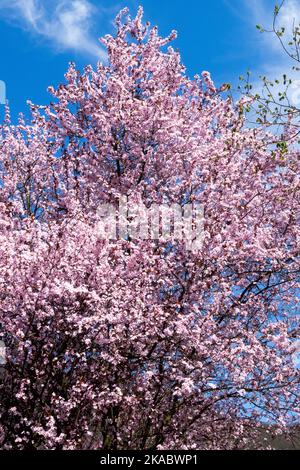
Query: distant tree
[[144, 344]]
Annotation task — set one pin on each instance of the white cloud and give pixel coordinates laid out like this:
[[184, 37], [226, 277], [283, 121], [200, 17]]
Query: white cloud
[[262, 12], [67, 24], [290, 12], [271, 60], [277, 62]]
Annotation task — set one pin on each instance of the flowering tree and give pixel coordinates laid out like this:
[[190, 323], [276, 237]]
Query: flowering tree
[[137, 343]]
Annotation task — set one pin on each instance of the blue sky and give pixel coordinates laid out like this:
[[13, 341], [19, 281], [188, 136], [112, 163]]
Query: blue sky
[[40, 37]]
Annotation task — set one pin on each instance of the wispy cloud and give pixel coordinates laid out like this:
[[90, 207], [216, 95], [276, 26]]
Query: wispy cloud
[[262, 12], [290, 11], [67, 24], [271, 60], [276, 62]]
